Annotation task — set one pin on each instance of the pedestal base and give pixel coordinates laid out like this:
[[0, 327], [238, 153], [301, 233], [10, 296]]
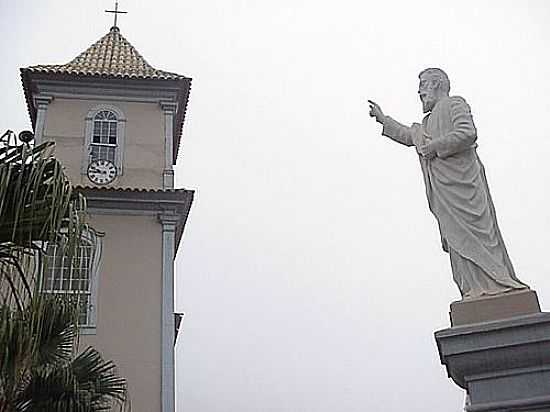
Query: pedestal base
[[507, 305], [504, 365]]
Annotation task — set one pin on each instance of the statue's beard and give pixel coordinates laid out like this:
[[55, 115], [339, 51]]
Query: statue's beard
[[428, 102]]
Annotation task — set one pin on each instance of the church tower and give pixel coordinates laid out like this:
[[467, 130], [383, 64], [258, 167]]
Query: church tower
[[117, 124]]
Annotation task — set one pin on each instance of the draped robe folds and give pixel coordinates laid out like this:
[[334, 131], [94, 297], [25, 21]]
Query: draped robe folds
[[458, 196]]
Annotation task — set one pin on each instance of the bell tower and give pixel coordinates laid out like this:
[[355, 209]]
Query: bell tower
[[117, 123]]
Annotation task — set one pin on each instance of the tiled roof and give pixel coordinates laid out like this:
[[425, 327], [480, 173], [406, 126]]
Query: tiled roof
[[129, 189], [112, 56]]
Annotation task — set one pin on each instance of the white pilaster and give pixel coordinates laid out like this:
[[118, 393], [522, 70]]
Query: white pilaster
[[168, 222], [169, 109], [41, 103]]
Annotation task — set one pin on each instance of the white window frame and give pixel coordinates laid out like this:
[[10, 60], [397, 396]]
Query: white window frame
[[110, 120], [90, 327], [88, 134]]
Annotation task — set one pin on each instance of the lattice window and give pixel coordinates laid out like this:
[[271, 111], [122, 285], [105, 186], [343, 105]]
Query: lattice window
[[73, 275], [104, 136]]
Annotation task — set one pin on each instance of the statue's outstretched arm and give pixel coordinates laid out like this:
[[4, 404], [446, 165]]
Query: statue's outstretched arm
[[392, 128], [463, 134], [397, 131]]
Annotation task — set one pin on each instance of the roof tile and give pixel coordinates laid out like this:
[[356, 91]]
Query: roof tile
[[112, 55]]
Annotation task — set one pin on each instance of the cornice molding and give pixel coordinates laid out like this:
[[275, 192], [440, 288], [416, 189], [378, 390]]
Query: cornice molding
[[168, 106], [104, 91], [170, 206], [42, 101]]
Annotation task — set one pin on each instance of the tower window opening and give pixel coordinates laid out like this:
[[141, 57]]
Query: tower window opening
[[70, 275], [104, 136]]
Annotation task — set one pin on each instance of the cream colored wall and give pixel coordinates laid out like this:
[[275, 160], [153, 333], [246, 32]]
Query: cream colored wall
[[129, 304], [143, 162], [130, 277]]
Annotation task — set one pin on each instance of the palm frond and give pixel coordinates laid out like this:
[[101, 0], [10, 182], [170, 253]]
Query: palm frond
[[39, 331], [53, 321], [37, 206], [87, 383]]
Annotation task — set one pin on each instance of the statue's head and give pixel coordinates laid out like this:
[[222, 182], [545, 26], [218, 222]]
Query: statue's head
[[434, 85]]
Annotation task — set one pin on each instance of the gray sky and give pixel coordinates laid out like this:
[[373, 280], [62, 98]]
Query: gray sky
[[311, 272]]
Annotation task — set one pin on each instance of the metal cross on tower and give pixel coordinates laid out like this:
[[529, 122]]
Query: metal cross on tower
[[116, 12]]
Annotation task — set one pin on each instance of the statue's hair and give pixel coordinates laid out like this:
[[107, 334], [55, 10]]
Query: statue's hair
[[444, 82]]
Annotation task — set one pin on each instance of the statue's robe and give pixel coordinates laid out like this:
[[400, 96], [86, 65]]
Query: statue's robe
[[459, 198]]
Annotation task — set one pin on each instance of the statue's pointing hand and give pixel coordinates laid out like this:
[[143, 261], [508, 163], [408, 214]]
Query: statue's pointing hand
[[376, 111]]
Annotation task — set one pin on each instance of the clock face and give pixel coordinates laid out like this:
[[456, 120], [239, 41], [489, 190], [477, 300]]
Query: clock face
[[102, 172]]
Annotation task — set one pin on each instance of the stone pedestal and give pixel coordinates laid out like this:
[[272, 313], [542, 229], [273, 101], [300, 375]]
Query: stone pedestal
[[508, 305], [504, 365]]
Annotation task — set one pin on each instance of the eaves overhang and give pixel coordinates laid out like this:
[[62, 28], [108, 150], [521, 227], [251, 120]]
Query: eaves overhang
[[107, 200]]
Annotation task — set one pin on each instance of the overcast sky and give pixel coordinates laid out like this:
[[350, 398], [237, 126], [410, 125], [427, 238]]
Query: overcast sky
[[311, 272]]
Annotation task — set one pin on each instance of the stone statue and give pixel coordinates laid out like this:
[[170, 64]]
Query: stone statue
[[456, 187]]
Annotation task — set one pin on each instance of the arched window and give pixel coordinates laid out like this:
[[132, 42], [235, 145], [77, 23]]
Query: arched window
[[104, 136]]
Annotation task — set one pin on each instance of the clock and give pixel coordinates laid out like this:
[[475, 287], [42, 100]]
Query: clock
[[102, 172]]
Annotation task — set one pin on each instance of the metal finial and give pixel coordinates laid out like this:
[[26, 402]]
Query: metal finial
[[116, 13]]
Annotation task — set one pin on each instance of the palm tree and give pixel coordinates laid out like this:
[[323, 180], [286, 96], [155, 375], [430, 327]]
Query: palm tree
[[40, 369]]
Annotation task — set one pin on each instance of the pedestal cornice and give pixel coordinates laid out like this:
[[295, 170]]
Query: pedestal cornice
[[501, 364]]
